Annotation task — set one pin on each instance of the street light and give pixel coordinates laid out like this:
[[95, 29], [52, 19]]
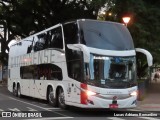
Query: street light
[[126, 20], [110, 14]]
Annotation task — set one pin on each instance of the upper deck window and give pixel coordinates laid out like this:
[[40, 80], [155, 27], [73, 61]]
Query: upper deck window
[[49, 39], [71, 35], [105, 35]]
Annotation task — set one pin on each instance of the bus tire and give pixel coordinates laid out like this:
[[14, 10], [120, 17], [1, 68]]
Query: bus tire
[[14, 90], [61, 99], [51, 99], [19, 91]]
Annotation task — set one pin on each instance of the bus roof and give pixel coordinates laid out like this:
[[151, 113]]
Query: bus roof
[[59, 24]]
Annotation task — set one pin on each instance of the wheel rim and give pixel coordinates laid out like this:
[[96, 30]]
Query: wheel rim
[[61, 98], [14, 90], [19, 91], [51, 96]]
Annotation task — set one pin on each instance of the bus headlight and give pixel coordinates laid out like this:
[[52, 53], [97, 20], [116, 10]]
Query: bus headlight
[[134, 93], [90, 93]]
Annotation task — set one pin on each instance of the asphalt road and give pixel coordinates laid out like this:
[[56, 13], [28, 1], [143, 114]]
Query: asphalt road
[[30, 108]]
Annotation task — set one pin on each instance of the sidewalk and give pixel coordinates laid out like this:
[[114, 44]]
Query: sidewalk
[[151, 101], [3, 83]]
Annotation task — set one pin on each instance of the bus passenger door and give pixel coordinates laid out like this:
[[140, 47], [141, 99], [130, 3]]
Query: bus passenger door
[[32, 87], [25, 86], [40, 92]]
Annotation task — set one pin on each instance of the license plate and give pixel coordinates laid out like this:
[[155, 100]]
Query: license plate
[[113, 106]]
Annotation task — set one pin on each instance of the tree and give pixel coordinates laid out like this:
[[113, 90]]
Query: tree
[[25, 17], [5, 38], [144, 25], [36, 15]]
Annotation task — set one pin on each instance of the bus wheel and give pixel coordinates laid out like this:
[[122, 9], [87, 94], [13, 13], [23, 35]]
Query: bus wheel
[[51, 99], [14, 91], [19, 91], [61, 99]]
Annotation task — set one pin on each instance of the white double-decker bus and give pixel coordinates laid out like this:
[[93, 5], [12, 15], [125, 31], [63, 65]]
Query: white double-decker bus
[[83, 63]]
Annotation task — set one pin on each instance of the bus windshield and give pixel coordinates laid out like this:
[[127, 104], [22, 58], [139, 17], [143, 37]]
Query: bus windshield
[[111, 72], [105, 35]]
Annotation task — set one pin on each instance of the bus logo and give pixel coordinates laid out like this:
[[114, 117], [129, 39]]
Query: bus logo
[[114, 98]]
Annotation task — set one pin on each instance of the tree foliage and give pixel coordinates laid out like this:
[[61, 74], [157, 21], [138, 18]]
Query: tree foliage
[[25, 17], [144, 26]]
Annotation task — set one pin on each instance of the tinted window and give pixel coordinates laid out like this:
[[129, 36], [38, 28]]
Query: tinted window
[[29, 43], [27, 72], [105, 35], [75, 64], [111, 72], [50, 39], [71, 33], [41, 42], [42, 72], [55, 38]]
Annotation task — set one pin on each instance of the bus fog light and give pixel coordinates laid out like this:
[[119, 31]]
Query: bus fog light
[[134, 93]]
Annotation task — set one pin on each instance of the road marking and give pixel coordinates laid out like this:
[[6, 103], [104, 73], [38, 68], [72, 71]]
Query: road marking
[[14, 109], [28, 103], [46, 109], [149, 118], [53, 108], [115, 118], [32, 104], [51, 118], [41, 103], [38, 106], [133, 110], [31, 109]]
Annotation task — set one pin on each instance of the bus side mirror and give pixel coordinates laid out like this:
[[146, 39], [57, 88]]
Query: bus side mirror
[[148, 55]]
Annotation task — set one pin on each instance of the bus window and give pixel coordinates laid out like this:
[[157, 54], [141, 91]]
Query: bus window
[[30, 42], [74, 64], [55, 38], [41, 42], [27, 72], [56, 73], [41, 72], [71, 33]]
